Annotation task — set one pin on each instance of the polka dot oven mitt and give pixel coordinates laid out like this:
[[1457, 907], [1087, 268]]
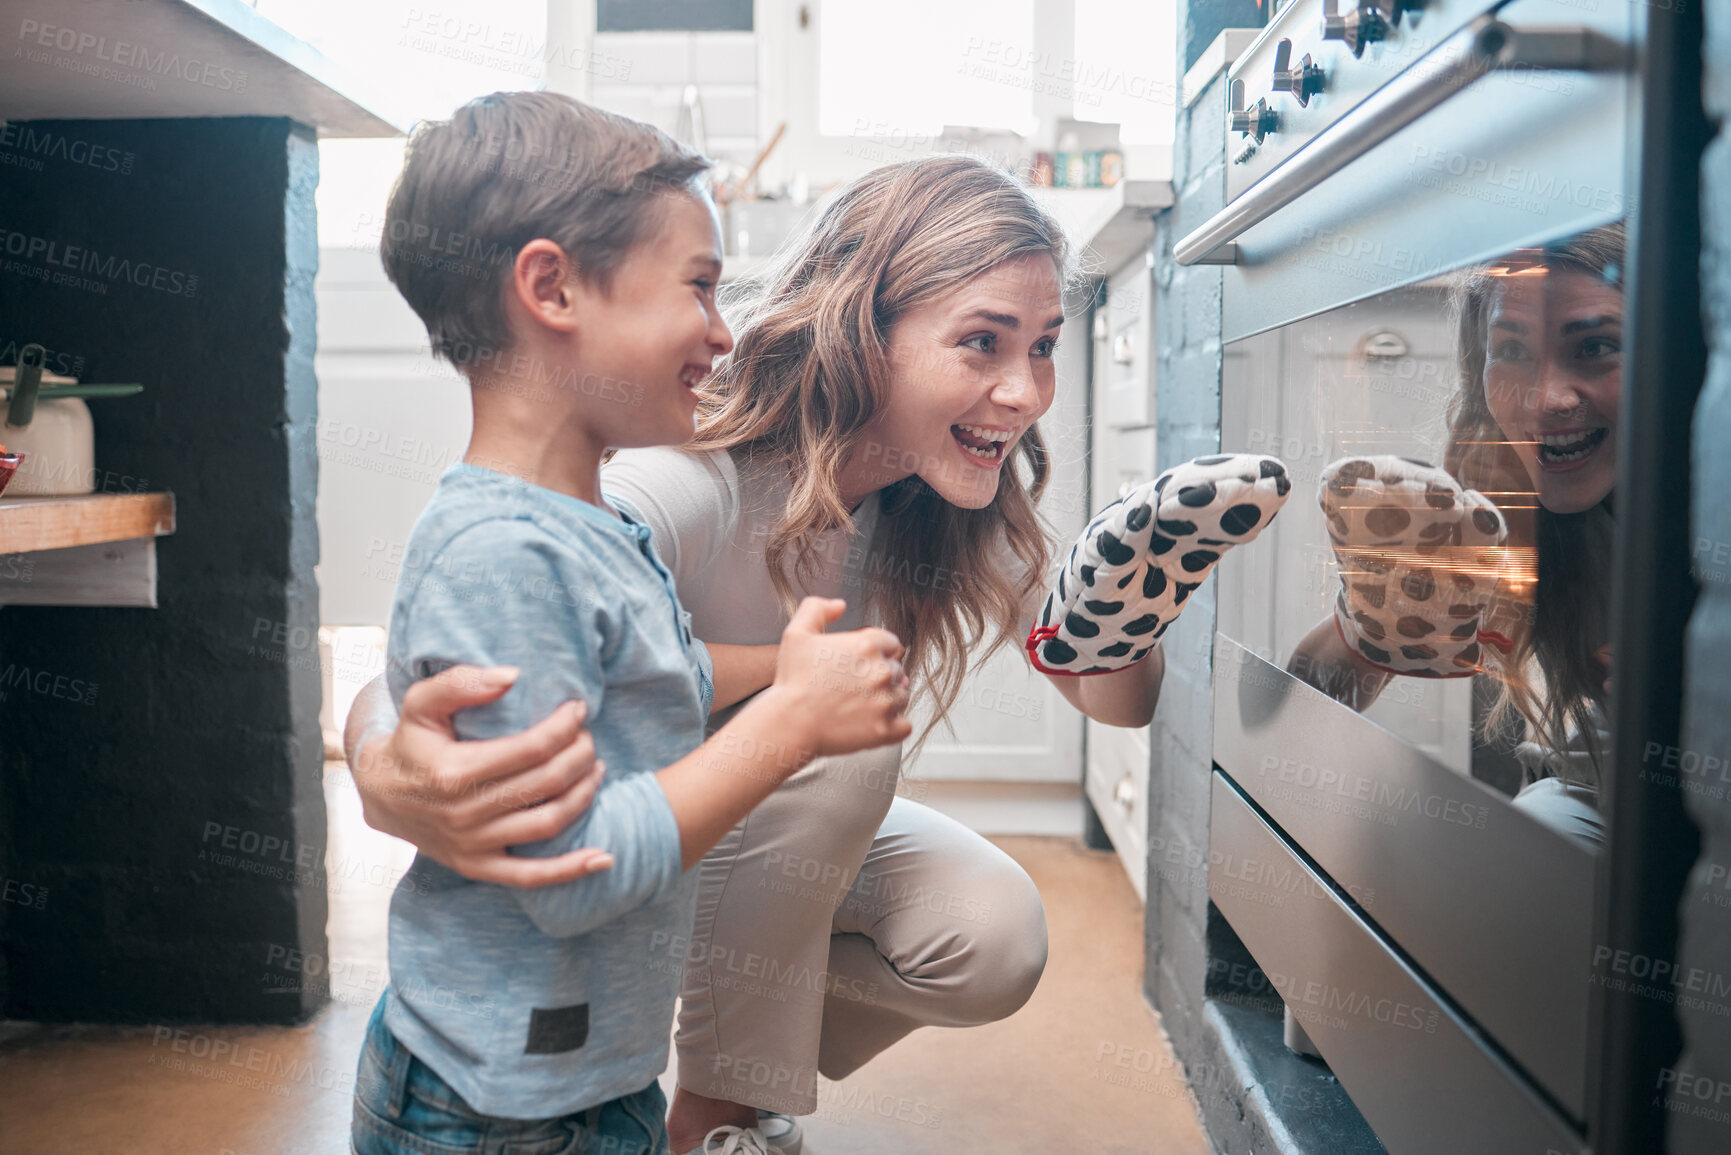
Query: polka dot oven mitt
[[1127, 577], [1420, 561]]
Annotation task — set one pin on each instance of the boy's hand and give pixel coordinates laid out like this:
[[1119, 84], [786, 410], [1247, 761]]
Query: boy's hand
[[463, 803], [832, 694], [849, 689]]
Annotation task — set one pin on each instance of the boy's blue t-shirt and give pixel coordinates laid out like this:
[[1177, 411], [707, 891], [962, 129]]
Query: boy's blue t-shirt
[[533, 1003]]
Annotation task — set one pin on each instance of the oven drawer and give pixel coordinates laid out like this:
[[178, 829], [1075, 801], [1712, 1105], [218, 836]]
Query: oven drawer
[[1494, 906], [1413, 1067]]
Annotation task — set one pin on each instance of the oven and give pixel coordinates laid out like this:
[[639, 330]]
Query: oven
[[1424, 271]]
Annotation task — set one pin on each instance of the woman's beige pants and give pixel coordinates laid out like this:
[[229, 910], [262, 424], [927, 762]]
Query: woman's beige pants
[[834, 920]]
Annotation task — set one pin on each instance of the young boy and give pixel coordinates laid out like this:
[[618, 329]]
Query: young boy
[[566, 261]]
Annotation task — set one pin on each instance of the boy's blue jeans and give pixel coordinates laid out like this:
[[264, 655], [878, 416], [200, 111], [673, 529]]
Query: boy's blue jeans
[[403, 1108]]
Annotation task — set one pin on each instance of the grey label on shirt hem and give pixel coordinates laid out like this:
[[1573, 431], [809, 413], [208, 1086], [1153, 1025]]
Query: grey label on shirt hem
[[557, 1030]]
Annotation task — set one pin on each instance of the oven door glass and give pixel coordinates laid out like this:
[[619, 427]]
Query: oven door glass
[[1442, 570]]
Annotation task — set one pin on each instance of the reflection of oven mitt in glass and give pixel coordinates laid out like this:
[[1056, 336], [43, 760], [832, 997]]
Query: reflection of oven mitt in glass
[[1420, 561], [1127, 576]]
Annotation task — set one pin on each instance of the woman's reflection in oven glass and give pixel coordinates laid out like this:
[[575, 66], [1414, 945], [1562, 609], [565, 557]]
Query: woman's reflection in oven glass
[[1534, 431]]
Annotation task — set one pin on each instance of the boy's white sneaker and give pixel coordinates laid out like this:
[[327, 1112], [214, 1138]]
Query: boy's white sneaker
[[730, 1140], [783, 1133]]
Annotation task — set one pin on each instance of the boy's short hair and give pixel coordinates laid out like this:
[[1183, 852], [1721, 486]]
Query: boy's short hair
[[507, 169]]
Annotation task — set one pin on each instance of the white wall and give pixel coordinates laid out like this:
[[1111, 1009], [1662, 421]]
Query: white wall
[[390, 420]]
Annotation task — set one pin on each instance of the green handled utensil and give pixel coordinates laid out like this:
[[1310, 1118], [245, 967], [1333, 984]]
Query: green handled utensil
[[27, 388]]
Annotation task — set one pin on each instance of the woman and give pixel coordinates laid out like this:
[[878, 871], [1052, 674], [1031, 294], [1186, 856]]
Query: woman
[[1534, 429], [873, 438]]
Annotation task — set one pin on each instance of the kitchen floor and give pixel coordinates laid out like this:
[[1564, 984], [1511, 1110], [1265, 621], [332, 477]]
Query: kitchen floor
[[1083, 1069]]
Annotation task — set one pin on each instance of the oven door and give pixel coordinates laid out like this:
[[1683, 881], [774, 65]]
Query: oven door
[[1412, 661]]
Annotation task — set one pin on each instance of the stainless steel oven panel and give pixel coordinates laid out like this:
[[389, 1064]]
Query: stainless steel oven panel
[[1514, 159], [1417, 1072], [1307, 394], [1492, 904], [1346, 79]]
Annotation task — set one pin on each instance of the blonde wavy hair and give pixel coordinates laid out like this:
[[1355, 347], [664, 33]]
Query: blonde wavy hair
[[1550, 678], [810, 370]]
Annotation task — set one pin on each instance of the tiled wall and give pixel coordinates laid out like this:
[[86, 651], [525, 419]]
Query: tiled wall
[[645, 74], [1187, 309], [1188, 364]]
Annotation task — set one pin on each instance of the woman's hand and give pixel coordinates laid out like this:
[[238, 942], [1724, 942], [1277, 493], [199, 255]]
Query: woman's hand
[[463, 803], [1127, 578], [1129, 575]]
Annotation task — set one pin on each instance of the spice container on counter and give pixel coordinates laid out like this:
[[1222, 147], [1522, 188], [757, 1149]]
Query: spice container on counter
[[1091, 169], [1095, 168], [1111, 168], [1075, 170]]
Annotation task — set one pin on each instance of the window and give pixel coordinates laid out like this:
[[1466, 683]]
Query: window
[[427, 61], [673, 16], [1126, 70], [895, 67]]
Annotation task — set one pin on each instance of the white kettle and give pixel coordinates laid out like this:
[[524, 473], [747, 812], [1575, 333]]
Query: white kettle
[[47, 421]]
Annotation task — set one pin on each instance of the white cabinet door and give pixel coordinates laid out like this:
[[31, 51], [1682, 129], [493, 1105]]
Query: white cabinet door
[[1116, 781]]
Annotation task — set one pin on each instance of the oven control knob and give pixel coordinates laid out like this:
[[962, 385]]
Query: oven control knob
[[1259, 120], [1364, 23], [1302, 82], [1414, 7]]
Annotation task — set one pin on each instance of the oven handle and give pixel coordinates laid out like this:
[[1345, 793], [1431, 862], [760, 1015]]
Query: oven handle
[[1482, 47]]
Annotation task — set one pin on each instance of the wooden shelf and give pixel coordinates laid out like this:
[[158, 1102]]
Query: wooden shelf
[[37, 523]]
